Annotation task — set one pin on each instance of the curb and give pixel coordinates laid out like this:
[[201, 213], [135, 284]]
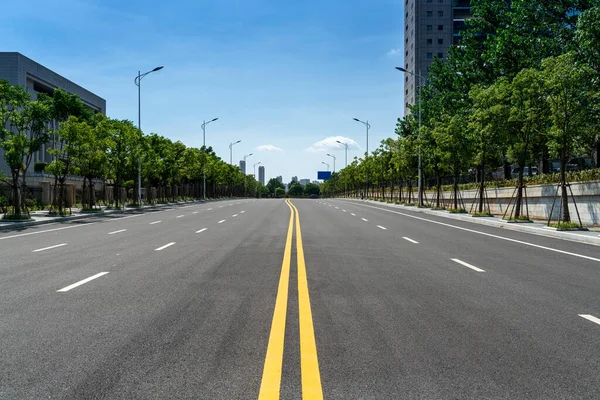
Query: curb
[[542, 231], [10, 225]]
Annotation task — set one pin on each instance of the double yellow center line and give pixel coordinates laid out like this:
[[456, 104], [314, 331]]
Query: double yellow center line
[[309, 363]]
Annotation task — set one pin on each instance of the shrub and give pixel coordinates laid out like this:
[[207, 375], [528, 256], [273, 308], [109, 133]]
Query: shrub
[[565, 225]]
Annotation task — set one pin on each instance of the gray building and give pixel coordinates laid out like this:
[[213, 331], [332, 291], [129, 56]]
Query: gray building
[[279, 179], [261, 174], [243, 166], [430, 28], [22, 71]]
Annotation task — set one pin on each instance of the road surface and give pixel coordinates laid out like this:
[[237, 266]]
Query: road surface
[[335, 299]]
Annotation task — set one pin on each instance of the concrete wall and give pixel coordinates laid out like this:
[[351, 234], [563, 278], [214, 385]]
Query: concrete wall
[[540, 198]]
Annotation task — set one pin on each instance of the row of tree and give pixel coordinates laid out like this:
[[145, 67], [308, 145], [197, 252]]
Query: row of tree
[[522, 88], [95, 147]]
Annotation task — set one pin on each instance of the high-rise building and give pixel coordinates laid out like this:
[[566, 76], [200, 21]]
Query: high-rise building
[[261, 174], [294, 179], [243, 166], [279, 179], [304, 181], [430, 28]]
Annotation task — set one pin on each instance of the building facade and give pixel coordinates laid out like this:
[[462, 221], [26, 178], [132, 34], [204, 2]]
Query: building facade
[[430, 28], [19, 70], [304, 181], [261, 174], [243, 166]]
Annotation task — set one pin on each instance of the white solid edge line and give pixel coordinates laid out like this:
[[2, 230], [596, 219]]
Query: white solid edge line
[[467, 265], [382, 227], [201, 230], [86, 280], [51, 247], [221, 221], [165, 246], [179, 216], [486, 234], [47, 230], [155, 222], [119, 231], [410, 240], [364, 219], [590, 318]]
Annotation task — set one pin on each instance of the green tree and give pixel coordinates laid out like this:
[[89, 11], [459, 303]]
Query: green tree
[[311, 188], [567, 89], [279, 192], [14, 139], [295, 190]]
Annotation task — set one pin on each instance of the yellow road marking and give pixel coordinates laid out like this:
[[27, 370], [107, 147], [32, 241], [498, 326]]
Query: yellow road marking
[[309, 362], [271, 379]]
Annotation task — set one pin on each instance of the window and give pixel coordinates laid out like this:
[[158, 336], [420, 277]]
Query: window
[[440, 1], [440, 13], [429, 55], [440, 27], [440, 41], [406, 53], [406, 79], [429, 41], [430, 1], [407, 92], [440, 55], [429, 27], [430, 13]]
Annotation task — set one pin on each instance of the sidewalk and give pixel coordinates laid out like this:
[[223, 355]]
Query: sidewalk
[[537, 227], [42, 217]]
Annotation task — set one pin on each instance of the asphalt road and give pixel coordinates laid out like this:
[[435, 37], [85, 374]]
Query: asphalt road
[[229, 300]]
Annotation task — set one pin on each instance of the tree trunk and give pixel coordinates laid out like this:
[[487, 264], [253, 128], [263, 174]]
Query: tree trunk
[[482, 188], [16, 192], [455, 188], [439, 190], [519, 199], [566, 216], [84, 200]]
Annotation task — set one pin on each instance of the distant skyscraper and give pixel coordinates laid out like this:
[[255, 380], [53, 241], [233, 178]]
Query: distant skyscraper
[[294, 179], [243, 166], [315, 182], [279, 179], [261, 174], [304, 181], [430, 28]]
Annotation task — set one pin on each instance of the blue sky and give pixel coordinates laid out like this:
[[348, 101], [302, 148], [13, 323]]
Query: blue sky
[[285, 76]]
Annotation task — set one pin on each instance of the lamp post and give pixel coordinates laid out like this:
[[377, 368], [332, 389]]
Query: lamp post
[[345, 184], [323, 162], [231, 151], [420, 189], [332, 156], [366, 124], [204, 123], [346, 146], [246, 156], [138, 81]]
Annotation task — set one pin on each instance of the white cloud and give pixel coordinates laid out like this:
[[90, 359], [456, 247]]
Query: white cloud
[[268, 147], [393, 52], [332, 143]]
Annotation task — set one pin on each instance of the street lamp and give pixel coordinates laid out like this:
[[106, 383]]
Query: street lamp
[[323, 162], [138, 81], [366, 124], [333, 160], [204, 123], [231, 151], [420, 189], [346, 146], [246, 156]]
